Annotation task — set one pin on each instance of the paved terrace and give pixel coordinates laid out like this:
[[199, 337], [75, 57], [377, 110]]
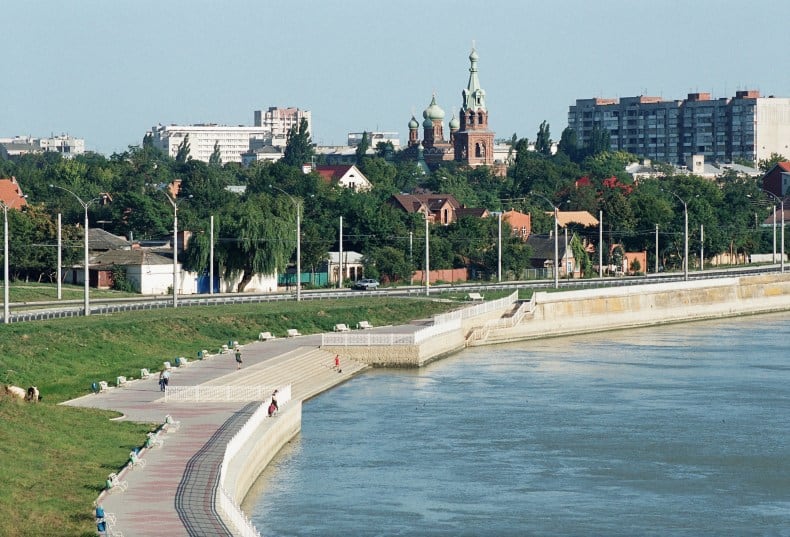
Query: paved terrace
[[173, 494]]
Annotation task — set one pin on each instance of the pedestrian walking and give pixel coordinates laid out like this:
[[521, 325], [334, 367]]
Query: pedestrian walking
[[166, 377], [337, 361], [162, 380], [238, 358]]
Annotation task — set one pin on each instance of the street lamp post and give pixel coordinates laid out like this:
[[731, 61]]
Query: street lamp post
[[685, 235], [499, 255], [556, 242], [782, 238], [174, 202], [298, 242], [85, 205]]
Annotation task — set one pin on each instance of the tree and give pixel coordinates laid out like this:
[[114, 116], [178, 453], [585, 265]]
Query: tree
[[765, 165], [182, 155], [298, 147], [569, 144], [362, 148], [216, 157], [598, 142], [543, 141]]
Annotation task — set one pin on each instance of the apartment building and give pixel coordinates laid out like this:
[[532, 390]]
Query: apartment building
[[746, 126], [66, 145], [280, 121], [270, 130]]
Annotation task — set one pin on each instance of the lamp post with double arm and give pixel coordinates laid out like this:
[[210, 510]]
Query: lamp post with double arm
[[85, 205], [175, 202], [298, 208], [782, 237]]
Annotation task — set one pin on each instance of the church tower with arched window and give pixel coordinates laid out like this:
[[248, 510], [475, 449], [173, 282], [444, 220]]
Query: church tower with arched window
[[473, 141]]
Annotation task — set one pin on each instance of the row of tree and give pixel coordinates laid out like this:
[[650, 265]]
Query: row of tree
[[255, 230]]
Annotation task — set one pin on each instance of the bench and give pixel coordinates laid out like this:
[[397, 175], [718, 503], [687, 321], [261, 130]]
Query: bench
[[135, 461], [202, 354], [144, 373], [120, 381], [182, 362], [224, 349], [362, 325], [114, 484], [170, 424], [474, 296], [265, 336], [342, 327], [103, 386], [153, 440], [293, 332], [167, 365]]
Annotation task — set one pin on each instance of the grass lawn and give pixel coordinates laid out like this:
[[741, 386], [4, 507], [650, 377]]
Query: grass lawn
[[54, 459]]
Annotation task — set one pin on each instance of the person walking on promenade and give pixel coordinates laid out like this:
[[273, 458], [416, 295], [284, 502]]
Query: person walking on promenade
[[162, 380], [166, 377], [238, 358], [337, 362]]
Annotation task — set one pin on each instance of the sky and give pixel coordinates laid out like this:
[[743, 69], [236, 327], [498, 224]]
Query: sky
[[107, 71]]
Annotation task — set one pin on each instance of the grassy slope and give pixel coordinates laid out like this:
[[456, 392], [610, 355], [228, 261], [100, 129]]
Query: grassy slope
[[53, 459]]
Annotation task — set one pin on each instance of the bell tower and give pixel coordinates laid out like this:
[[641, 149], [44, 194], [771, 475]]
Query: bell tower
[[474, 142]]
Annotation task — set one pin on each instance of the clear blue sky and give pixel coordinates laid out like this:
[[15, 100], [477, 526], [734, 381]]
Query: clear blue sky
[[107, 71]]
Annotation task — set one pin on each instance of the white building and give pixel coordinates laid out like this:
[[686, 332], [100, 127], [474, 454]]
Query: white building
[[374, 139], [232, 141], [66, 145]]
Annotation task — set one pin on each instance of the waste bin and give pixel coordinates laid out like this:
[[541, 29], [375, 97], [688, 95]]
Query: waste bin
[[200, 355]]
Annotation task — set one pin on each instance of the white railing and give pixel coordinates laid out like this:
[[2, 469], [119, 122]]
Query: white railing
[[217, 394], [243, 526], [224, 500], [436, 329], [478, 309], [481, 333], [443, 323], [366, 339]]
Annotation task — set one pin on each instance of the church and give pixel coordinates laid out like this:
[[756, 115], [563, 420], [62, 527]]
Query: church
[[470, 141]]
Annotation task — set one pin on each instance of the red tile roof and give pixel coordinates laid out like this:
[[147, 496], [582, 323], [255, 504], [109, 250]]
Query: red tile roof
[[11, 194]]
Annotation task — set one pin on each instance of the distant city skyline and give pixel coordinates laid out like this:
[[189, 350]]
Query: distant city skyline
[[108, 72]]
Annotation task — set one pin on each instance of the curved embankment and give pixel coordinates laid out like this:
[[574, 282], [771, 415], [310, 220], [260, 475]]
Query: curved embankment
[[551, 314]]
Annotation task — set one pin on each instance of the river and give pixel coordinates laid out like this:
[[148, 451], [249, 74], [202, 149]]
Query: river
[[673, 430]]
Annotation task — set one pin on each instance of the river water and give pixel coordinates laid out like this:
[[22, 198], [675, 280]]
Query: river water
[[673, 430]]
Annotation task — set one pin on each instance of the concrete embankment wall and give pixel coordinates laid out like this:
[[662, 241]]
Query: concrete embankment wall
[[261, 447], [595, 310]]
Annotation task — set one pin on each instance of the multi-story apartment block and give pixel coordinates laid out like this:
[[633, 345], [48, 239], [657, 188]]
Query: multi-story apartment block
[[744, 127], [281, 120]]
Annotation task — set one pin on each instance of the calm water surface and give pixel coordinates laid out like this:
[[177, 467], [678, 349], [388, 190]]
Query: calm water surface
[[676, 430]]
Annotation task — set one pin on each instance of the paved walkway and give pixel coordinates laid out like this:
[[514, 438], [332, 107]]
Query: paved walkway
[[173, 494]]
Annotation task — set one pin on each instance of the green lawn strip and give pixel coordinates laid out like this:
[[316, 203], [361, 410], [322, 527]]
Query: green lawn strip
[[54, 460], [54, 463]]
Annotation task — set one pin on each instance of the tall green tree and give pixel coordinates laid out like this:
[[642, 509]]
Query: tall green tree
[[298, 147], [216, 156], [362, 148], [543, 141], [569, 144], [182, 155]]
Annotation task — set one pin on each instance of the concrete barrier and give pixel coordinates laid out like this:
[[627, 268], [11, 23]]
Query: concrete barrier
[[595, 310]]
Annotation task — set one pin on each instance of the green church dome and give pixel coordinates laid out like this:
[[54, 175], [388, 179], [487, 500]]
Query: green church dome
[[413, 124], [433, 111]]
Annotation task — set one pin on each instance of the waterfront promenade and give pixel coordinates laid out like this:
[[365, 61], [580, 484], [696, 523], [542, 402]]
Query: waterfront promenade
[[173, 494]]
